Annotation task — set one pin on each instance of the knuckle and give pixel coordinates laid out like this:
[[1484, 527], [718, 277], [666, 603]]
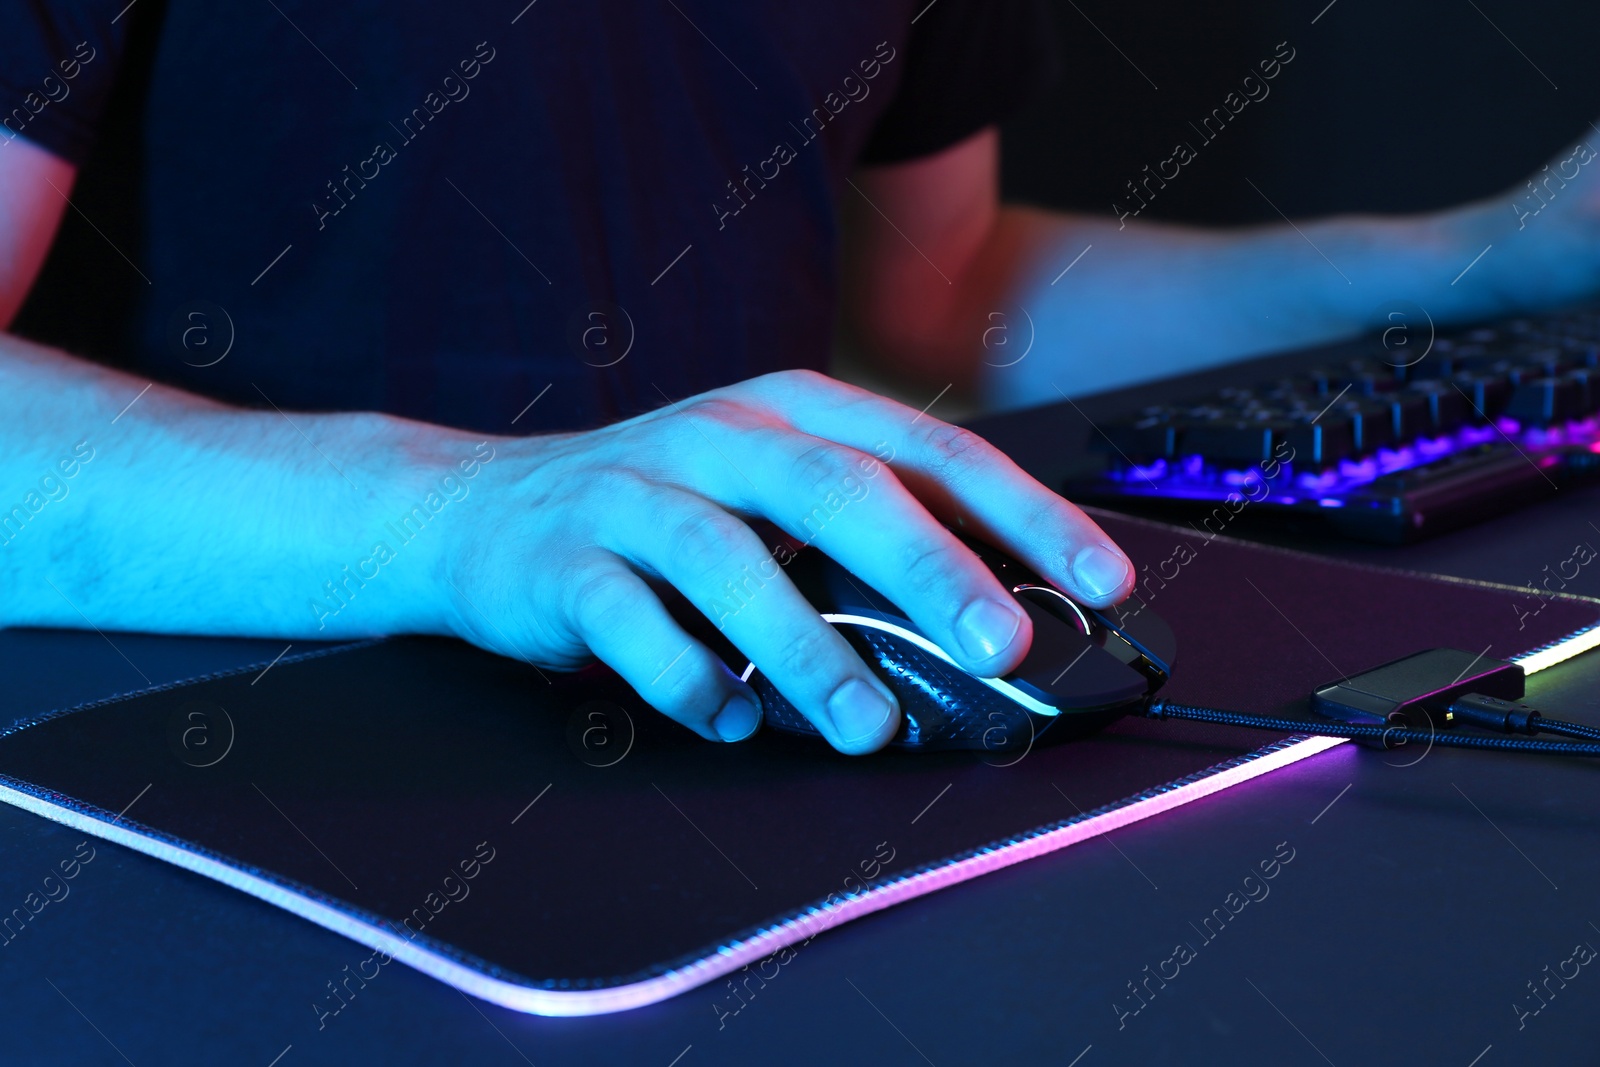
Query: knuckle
[[720, 409], [954, 451], [603, 601], [812, 652], [926, 565], [705, 541], [688, 692], [800, 377], [822, 467], [1052, 513], [782, 386], [613, 482]]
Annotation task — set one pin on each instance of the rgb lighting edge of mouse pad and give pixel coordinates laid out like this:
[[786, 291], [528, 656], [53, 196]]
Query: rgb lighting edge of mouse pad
[[677, 928]]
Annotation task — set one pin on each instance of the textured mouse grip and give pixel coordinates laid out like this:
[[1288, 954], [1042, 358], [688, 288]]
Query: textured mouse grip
[[942, 706]]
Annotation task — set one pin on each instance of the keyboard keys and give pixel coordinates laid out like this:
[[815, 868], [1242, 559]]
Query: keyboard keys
[[1541, 372], [1551, 360], [1448, 359], [1588, 382], [1361, 377], [1485, 419], [1226, 441], [1141, 440], [1318, 444], [1486, 393], [1547, 401], [1373, 422], [1447, 408], [1409, 415]]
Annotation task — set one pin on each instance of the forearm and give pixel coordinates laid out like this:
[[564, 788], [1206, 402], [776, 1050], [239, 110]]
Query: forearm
[[959, 287], [161, 511], [1149, 299]]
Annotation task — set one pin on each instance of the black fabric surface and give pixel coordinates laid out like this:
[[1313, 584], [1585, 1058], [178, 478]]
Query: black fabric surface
[[401, 759], [967, 66], [439, 210]]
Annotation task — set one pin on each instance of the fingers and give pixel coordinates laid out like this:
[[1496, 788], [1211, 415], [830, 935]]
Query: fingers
[[623, 622], [720, 565], [853, 507], [798, 449], [963, 480]]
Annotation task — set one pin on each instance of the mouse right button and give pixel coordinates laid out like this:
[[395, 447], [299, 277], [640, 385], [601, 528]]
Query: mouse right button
[[1144, 630], [1069, 671]]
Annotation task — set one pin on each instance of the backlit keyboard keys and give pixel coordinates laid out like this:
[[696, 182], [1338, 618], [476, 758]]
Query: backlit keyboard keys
[[1144, 439], [1547, 401], [1409, 415], [1318, 444], [1486, 393], [1447, 408], [1373, 422], [1589, 389], [1227, 441], [1358, 377]]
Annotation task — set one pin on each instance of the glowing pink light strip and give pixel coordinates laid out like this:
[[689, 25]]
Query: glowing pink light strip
[[725, 960]]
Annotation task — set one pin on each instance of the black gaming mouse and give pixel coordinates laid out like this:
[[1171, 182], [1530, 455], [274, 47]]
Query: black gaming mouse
[[1084, 669]]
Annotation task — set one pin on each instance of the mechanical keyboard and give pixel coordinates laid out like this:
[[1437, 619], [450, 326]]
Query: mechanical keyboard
[[1384, 445]]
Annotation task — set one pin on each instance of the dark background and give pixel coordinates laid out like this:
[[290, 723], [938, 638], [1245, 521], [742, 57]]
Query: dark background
[[1388, 105]]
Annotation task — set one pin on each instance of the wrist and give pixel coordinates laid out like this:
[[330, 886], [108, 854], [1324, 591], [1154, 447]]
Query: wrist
[[1534, 259], [421, 498]]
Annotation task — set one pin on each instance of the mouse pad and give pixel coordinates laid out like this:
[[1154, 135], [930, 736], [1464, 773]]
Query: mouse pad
[[547, 842]]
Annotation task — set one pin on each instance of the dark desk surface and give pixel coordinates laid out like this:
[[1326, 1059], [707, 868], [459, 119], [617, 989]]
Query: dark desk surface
[[1420, 903]]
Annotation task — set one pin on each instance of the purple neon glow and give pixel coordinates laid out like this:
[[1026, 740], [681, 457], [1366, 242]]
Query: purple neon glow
[[728, 958], [1189, 477], [731, 957], [1156, 470]]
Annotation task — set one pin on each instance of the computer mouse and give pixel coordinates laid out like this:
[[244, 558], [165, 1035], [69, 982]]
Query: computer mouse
[[1084, 669]]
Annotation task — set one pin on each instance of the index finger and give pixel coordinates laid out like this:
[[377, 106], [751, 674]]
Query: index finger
[[969, 484]]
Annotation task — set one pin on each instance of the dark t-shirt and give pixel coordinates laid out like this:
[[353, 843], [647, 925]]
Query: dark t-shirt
[[447, 210]]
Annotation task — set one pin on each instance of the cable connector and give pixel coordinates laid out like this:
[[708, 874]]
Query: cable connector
[[1492, 713], [1417, 692], [1440, 689], [1416, 699]]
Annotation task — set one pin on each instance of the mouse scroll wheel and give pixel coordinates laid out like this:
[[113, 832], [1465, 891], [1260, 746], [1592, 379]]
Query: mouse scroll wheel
[[1056, 603]]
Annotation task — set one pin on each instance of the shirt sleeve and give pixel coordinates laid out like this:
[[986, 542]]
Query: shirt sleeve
[[58, 60], [969, 64]]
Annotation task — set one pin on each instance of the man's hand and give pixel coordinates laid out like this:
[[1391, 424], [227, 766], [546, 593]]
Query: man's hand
[[551, 564], [152, 509]]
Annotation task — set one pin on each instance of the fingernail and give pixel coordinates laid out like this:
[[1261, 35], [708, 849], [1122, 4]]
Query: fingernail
[[858, 711], [738, 719], [1100, 570], [987, 627]]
